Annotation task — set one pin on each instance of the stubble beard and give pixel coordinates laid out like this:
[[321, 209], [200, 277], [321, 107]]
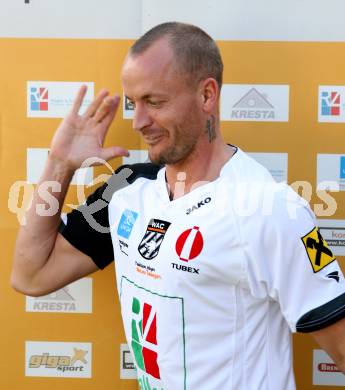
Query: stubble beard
[[177, 152]]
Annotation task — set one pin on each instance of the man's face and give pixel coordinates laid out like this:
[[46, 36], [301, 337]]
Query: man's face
[[167, 111]]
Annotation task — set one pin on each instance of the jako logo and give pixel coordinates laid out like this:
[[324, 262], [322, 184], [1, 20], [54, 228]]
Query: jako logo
[[144, 332], [189, 244], [198, 205], [39, 99], [330, 103]]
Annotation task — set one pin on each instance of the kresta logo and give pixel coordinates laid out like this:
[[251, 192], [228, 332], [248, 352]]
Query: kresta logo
[[60, 300]]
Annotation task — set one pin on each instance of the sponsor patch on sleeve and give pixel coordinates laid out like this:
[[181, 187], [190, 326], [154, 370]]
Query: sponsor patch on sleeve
[[317, 250]]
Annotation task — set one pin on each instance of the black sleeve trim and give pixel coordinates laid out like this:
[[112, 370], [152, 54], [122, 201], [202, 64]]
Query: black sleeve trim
[[146, 170], [80, 233], [97, 258], [322, 316], [87, 227]]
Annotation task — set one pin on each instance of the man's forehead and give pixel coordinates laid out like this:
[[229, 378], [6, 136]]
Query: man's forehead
[[158, 56], [149, 73]]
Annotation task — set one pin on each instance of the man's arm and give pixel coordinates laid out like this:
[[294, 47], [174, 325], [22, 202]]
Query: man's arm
[[44, 261], [332, 340]]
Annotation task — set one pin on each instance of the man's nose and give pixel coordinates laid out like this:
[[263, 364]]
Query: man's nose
[[141, 117]]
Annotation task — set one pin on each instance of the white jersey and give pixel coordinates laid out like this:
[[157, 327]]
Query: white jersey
[[212, 284]]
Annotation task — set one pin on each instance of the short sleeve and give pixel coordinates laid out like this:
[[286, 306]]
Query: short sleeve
[[289, 261], [87, 229]]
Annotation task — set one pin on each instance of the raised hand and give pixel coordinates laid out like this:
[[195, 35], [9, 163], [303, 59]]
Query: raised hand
[[80, 137]]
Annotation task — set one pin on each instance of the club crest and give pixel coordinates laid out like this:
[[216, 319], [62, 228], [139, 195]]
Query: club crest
[[153, 238]]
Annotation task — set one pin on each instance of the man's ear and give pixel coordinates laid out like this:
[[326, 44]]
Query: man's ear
[[209, 92]]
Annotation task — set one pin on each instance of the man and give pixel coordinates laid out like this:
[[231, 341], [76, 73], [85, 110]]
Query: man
[[215, 263]]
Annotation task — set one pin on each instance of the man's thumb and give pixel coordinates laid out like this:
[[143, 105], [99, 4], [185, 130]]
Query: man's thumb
[[114, 151]]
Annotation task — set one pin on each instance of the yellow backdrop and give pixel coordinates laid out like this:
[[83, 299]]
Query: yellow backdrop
[[303, 66]]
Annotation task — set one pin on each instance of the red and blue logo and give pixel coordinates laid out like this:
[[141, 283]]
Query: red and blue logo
[[39, 99], [330, 103]]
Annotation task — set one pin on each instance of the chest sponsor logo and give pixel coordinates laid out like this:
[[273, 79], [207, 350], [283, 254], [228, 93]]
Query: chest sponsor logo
[[126, 223], [144, 337], [155, 344], [317, 250], [58, 359], [198, 205], [189, 244], [153, 238]]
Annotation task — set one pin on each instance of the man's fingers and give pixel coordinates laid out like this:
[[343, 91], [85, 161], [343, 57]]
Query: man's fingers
[[78, 101], [109, 117], [114, 151], [109, 105], [93, 107]]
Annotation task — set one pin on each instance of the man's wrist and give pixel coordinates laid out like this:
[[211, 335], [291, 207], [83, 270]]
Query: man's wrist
[[59, 169]]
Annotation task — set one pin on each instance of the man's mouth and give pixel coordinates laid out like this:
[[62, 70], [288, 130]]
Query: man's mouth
[[152, 139]]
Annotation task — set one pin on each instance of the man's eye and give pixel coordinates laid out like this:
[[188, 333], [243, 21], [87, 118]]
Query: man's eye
[[153, 103]]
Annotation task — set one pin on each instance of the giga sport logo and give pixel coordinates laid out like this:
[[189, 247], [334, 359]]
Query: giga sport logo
[[58, 359], [62, 363]]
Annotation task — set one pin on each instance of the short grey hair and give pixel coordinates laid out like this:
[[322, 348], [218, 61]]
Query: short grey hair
[[196, 54]]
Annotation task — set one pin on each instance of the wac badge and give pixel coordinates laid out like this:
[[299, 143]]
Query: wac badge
[[153, 238], [317, 249]]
